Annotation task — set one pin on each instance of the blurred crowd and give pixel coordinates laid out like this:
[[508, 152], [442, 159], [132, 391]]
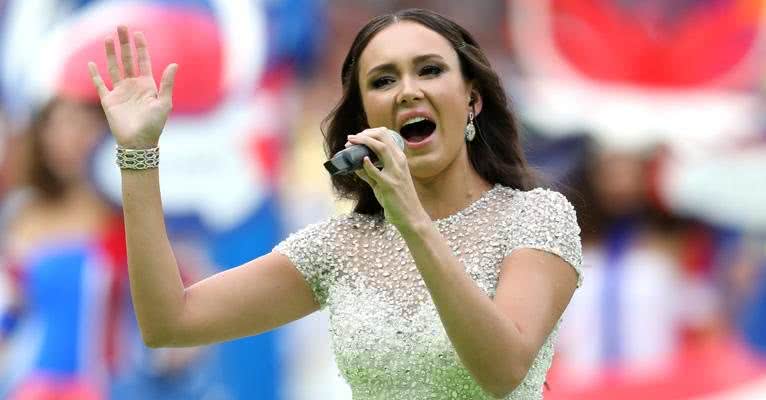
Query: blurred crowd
[[649, 115]]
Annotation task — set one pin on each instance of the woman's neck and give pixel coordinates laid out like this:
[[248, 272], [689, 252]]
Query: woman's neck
[[77, 213], [77, 197], [454, 189]]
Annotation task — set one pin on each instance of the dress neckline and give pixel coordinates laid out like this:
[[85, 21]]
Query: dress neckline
[[469, 208]]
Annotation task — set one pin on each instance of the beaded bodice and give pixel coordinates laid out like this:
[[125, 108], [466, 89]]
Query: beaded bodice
[[388, 339]]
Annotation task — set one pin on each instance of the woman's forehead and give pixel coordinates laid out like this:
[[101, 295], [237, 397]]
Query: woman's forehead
[[404, 41]]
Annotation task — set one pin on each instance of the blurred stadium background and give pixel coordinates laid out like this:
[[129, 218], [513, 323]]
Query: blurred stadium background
[[650, 115]]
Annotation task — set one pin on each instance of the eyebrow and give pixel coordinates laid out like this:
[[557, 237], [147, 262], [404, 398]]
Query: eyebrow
[[391, 66]]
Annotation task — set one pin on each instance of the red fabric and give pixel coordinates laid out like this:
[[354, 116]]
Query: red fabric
[[267, 151], [610, 43], [198, 84], [15, 274], [54, 388], [697, 251], [114, 246], [700, 368]]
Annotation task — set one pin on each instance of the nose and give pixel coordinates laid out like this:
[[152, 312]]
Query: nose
[[409, 91]]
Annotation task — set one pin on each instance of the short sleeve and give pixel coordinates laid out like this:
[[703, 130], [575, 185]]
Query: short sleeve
[[547, 221], [311, 251]]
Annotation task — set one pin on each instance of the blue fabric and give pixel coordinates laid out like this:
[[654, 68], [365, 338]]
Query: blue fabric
[[8, 322], [55, 291], [251, 366], [296, 32], [200, 380], [754, 315], [616, 245]]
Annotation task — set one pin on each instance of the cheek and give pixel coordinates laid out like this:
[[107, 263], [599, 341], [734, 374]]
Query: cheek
[[454, 118], [371, 106], [452, 107]]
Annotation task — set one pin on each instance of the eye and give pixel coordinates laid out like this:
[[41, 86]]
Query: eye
[[431, 70], [382, 81]]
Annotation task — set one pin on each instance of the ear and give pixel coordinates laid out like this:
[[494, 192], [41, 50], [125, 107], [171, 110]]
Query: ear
[[475, 101]]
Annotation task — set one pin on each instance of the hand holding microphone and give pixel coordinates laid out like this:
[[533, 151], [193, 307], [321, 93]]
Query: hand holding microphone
[[350, 159]]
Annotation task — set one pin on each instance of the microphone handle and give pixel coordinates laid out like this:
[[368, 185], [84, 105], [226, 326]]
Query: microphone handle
[[355, 154], [351, 158]]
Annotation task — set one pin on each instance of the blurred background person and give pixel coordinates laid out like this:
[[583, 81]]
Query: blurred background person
[[663, 228], [65, 257], [652, 322], [241, 88], [65, 260]]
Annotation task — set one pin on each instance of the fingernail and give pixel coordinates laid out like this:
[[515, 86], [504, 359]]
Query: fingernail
[[347, 144]]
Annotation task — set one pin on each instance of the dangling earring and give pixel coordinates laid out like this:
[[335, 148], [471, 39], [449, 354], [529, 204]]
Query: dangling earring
[[470, 129]]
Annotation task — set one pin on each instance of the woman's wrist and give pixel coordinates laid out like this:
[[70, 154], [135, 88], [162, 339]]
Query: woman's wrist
[[138, 144]]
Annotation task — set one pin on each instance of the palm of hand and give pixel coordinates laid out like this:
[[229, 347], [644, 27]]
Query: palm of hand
[[135, 109]]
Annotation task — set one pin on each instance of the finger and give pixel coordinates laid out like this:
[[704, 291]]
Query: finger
[[126, 51], [111, 61], [387, 138], [144, 61], [378, 147], [166, 85], [391, 149], [373, 173], [384, 135], [363, 176], [95, 76]]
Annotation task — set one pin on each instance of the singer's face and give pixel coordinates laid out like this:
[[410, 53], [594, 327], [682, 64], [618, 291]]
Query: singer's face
[[410, 81]]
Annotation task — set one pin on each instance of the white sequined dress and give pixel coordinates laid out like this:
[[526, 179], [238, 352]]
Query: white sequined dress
[[388, 340]]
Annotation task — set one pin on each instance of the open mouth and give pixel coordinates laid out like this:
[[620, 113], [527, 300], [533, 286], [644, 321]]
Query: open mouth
[[418, 130]]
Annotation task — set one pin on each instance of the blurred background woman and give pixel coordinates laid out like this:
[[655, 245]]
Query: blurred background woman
[[66, 255]]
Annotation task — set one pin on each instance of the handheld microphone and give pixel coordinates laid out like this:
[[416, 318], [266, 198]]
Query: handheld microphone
[[351, 158]]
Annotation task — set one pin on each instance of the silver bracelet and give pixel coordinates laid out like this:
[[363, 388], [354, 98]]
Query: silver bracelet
[[138, 158]]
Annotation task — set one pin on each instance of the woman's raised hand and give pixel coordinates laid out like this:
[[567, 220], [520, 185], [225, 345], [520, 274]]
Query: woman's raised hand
[[135, 109]]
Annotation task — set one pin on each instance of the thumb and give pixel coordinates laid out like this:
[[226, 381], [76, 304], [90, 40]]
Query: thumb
[[166, 84]]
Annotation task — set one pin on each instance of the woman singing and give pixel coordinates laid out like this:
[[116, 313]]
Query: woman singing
[[450, 276]]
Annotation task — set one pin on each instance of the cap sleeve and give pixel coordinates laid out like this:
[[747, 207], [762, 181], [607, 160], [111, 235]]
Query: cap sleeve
[[547, 221], [311, 251]]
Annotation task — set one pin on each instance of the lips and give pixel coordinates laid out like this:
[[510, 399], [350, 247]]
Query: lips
[[416, 126], [418, 131]]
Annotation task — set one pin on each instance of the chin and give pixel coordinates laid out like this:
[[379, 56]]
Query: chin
[[425, 166]]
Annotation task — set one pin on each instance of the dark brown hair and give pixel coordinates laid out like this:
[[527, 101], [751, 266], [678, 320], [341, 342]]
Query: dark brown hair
[[495, 153]]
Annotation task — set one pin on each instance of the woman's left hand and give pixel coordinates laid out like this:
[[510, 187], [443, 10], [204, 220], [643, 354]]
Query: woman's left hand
[[392, 185]]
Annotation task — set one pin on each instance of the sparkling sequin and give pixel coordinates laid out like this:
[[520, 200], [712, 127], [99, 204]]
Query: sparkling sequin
[[387, 336]]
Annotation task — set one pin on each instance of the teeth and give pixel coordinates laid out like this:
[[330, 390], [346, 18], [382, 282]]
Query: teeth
[[414, 120]]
